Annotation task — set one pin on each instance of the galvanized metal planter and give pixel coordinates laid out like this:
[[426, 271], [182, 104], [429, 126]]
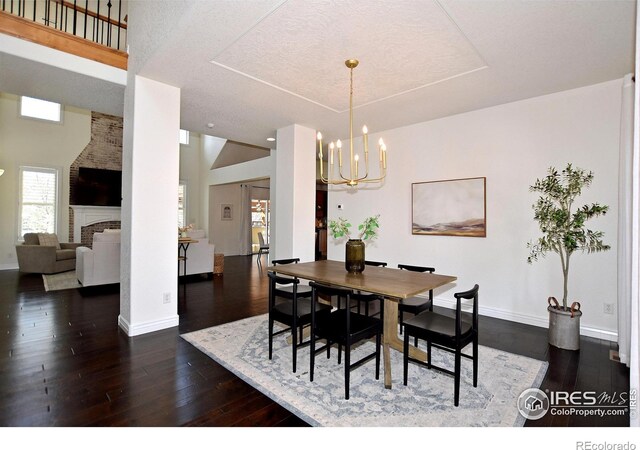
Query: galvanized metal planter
[[564, 326]]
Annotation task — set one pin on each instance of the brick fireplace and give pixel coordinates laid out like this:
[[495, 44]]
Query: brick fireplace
[[104, 151], [93, 219]]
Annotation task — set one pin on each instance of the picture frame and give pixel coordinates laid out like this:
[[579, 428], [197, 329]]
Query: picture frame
[[456, 207], [226, 212]]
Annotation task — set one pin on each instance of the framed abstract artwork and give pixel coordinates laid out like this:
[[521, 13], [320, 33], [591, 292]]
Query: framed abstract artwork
[[449, 207]]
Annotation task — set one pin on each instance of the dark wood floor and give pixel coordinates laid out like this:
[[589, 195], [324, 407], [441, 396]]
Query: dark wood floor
[[65, 362]]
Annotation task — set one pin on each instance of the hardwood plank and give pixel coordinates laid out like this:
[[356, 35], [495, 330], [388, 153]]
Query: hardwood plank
[[159, 379]]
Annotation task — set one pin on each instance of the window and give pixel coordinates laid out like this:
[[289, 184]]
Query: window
[[182, 204], [40, 109], [38, 199], [184, 137]]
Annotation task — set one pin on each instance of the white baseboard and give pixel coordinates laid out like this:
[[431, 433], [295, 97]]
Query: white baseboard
[[542, 322], [10, 266], [146, 327]]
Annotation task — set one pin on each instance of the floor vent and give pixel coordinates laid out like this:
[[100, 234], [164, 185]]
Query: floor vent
[[614, 355]]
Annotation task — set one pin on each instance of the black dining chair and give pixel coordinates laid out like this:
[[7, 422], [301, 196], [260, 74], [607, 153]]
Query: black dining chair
[[415, 305], [303, 289], [365, 299], [288, 309], [446, 333], [375, 263], [264, 247], [345, 328]]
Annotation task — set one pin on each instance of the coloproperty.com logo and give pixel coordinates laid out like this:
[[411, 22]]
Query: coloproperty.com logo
[[534, 404]]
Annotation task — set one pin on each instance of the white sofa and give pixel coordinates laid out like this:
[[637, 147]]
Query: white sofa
[[100, 264], [199, 255]]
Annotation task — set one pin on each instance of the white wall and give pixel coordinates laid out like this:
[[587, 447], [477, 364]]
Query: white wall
[[225, 234], [190, 157], [511, 145], [210, 149], [35, 142]]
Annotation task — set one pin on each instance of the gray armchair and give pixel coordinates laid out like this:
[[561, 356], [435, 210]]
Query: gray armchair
[[42, 253]]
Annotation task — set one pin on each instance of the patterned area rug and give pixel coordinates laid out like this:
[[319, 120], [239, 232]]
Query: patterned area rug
[[427, 401], [60, 281]]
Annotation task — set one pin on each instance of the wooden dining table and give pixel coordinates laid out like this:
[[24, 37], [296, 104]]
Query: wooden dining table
[[393, 284]]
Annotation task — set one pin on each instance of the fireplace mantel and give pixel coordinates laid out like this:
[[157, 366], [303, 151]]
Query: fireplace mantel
[[88, 215]]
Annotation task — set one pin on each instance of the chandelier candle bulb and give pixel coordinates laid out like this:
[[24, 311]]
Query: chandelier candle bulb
[[356, 159]]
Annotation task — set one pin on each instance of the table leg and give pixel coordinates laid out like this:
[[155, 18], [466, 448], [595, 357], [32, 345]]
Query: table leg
[[390, 340]]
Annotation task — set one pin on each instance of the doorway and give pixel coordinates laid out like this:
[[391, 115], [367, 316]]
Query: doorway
[[260, 222]]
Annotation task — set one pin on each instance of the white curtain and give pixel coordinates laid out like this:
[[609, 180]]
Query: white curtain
[[245, 220], [634, 357], [625, 216]]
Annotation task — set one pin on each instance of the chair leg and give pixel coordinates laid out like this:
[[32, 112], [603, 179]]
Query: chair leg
[[312, 356], [378, 356], [456, 389], [339, 353], [270, 338], [475, 361], [401, 321], [294, 345], [347, 370], [328, 348], [428, 354], [405, 358], [415, 341]]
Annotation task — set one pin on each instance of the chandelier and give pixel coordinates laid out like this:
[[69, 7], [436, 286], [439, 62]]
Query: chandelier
[[354, 175]]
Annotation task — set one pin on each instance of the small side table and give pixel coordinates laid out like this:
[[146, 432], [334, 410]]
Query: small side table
[[183, 246]]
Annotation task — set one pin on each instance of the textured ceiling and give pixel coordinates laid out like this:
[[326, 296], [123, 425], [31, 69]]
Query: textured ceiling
[[281, 62], [301, 50]]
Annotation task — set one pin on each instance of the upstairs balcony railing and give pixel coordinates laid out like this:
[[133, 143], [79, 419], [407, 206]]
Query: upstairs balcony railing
[[100, 21]]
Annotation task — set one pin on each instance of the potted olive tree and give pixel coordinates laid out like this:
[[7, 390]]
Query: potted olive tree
[[564, 231], [354, 249]]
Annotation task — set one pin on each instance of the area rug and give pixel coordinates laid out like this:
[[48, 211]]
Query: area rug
[[60, 281], [427, 401]]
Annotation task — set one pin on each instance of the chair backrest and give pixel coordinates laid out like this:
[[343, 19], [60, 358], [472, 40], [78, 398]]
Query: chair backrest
[[416, 268], [277, 280], [330, 291], [275, 262], [261, 239], [375, 263], [471, 294]]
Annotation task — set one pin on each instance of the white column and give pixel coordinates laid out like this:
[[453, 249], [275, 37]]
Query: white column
[[293, 212], [150, 165]]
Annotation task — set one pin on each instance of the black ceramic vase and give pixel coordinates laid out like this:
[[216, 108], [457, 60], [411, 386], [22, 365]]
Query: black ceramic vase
[[354, 256]]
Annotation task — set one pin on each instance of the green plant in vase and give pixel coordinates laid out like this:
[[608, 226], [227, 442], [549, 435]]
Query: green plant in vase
[[354, 249]]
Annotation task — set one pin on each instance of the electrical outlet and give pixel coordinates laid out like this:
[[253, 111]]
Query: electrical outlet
[[608, 308], [166, 298]]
